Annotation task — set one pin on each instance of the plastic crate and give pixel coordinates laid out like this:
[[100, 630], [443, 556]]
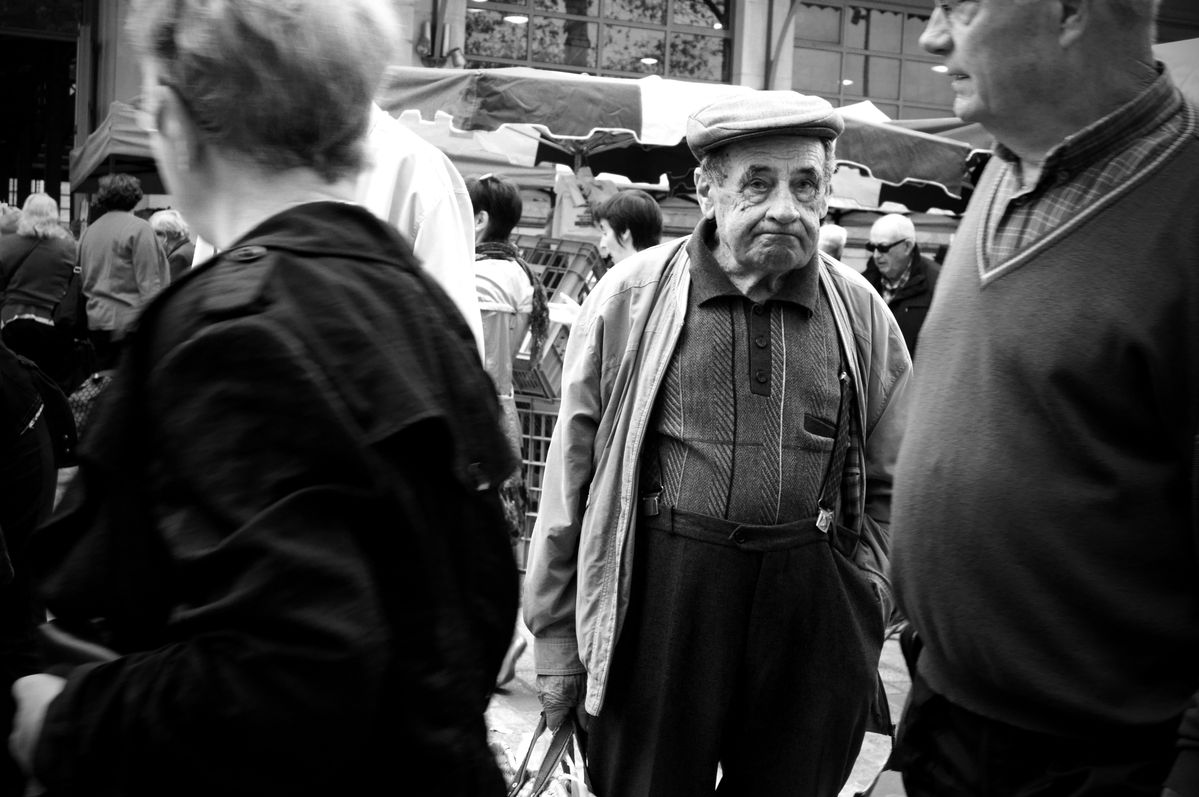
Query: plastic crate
[[565, 267], [538, 416], [544, 377]]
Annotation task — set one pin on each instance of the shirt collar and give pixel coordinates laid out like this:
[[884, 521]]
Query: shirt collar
[[708, 280], [901, 280], [1112, 133]]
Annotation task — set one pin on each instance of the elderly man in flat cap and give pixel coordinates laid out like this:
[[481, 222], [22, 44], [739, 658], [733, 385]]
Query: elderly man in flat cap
[[706, 579]]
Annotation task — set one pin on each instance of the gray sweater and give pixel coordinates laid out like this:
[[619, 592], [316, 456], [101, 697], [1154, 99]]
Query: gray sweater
[[1044, 541]]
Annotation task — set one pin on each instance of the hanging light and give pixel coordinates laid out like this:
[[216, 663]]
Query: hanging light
[[649, 60], [847, 82], [939, 68], [516, 19]]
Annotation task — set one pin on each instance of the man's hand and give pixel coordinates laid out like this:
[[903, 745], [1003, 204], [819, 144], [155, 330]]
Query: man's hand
[[33, 694], [558, 695]]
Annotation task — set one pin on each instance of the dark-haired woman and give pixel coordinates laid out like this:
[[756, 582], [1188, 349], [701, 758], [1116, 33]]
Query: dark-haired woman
[[512, 301]]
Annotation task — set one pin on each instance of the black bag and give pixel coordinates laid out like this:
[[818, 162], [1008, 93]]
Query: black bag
[[70, 316], [71, 311], [59, 420]]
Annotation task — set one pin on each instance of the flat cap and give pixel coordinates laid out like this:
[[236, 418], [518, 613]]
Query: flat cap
[[761, 113]]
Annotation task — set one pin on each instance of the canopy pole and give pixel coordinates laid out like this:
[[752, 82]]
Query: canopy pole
[[778, 47]]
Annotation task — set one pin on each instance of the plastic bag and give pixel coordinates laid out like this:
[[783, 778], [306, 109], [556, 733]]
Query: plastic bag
[[562, 771]]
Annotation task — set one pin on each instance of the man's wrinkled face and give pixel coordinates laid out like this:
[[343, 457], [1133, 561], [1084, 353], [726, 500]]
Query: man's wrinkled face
[[768, 208]]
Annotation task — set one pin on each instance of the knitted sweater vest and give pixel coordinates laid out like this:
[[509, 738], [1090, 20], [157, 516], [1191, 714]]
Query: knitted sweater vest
[[1044, 544]]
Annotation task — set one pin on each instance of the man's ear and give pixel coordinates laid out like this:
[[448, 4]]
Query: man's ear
[[703, 192], [626, 239], [1076, 15], [175, 123], [481, 219]]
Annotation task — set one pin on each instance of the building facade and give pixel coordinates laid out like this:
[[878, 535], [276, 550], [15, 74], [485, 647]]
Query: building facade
[[68, 61]]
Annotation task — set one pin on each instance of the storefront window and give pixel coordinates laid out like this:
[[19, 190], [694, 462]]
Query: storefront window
[[856, 50], [494, 37], [870, 76], [874, 30], [633, 49], [698, 57], [817, 71], [564, 41], [675, 38], [818, 23]]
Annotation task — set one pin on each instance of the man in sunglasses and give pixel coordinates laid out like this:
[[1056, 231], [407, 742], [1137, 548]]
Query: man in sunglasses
[[1046, 521], [902, 276]]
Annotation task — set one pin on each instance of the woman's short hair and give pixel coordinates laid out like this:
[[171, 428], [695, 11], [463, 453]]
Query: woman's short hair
[[500, 197], [170, 222], [39, 218], [119, 192], [282, 85], [636, 212]]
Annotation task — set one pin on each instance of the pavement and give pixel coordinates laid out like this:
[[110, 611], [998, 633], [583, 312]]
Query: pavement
[[513, 712]]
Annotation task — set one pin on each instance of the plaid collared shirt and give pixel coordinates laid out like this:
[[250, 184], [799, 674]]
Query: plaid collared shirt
[[1079, 171], [892, 287]]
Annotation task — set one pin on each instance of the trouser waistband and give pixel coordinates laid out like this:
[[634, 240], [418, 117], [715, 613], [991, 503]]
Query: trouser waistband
[[744, 536]]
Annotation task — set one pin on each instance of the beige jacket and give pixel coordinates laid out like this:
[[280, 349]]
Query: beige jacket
[[577, 585]]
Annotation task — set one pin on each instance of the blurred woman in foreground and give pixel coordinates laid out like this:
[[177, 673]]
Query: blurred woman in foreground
[[285, 523]]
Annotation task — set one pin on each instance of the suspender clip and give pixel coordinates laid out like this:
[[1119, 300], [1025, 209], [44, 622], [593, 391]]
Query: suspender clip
[[649, 505], [824, 520]]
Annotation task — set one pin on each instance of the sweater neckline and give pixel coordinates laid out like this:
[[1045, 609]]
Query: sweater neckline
[[987, 276]]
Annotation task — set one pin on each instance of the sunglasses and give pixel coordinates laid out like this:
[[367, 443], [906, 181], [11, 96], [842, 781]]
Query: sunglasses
[[884, 248]]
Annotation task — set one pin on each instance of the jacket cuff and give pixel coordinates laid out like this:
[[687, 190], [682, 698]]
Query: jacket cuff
[[557, 656], [1184, 778]]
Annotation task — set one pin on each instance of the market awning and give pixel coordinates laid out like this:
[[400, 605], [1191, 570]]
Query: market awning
[[119, 144]]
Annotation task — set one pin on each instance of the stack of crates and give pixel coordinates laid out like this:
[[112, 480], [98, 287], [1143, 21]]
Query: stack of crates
[[570, 268], [567, 268]]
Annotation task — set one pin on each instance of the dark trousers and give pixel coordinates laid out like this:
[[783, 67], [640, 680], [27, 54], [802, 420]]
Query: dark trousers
[[107, 348], [752, 647], [944, 750]]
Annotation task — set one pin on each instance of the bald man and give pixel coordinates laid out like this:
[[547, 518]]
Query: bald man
[[902, 276]]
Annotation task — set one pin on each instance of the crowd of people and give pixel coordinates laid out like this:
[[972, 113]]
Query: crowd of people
[[284, 563]]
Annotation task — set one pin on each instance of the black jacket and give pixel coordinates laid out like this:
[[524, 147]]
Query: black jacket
[[910, 303], [286, 521]]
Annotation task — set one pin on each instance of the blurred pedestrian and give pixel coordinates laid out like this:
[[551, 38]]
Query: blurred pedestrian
[[10, 217], [36, 264], [285, 522], [904, 277], [832, 240], [175, 237], [706, 577], [513, 305], [413, 186], [1047, 543], [629, 221], [123, 265], [28, 476]]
